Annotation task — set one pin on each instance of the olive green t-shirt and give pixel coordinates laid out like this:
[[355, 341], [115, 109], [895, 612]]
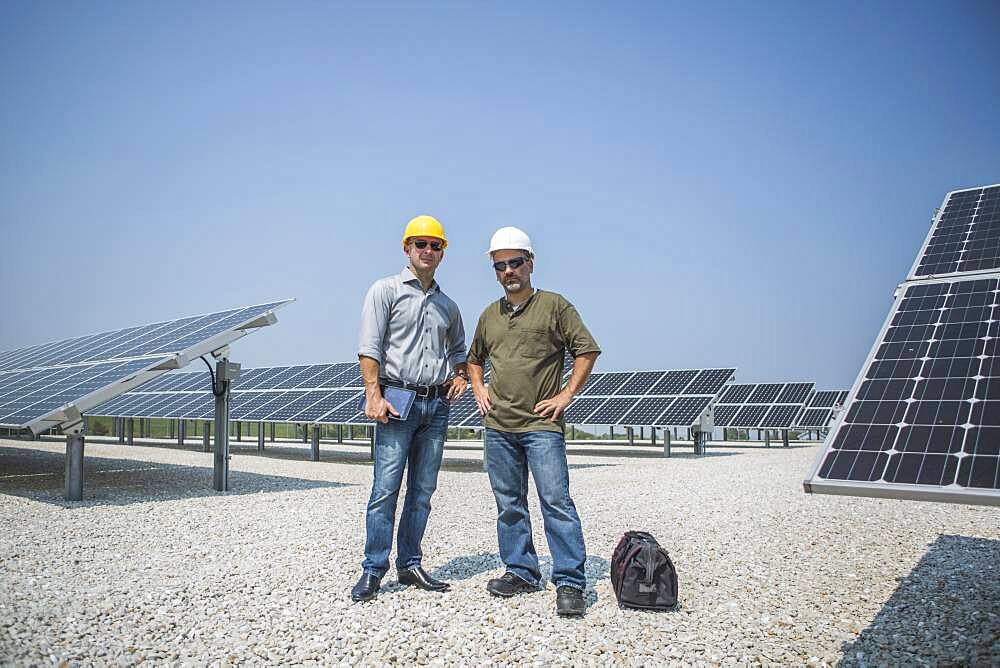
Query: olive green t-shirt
[[526, 348]]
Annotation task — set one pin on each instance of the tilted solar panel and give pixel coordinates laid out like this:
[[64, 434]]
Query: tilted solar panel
[[923, 418]]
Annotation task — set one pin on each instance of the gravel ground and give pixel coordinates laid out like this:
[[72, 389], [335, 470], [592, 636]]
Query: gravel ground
[[154, 566]]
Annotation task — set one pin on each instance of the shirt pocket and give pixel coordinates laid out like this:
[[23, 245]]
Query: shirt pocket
[[534, 343]]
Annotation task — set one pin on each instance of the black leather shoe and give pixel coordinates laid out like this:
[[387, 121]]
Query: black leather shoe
[[569, 601], [366, 589], [418, 577], [509, 584]]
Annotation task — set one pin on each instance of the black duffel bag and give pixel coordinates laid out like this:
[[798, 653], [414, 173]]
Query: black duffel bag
[[642, 574]]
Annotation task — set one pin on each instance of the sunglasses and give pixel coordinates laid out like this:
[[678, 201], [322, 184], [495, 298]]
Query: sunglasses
[[422, 244], [513, 263]]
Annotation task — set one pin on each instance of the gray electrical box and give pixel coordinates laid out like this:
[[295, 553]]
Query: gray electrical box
[[226, 370]]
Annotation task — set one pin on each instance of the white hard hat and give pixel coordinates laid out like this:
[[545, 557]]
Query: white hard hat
[[510, 238]]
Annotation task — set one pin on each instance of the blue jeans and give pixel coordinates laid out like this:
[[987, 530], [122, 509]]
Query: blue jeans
[[509, 456], [415, 444]]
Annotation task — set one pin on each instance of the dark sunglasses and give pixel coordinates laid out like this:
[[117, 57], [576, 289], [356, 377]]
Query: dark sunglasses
[[514, 263], [422, 244]]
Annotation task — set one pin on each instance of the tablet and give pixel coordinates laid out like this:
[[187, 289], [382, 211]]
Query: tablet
[[400, 398]]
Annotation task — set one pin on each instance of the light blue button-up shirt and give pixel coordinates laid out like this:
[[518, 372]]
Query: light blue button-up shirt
[[416, 337]]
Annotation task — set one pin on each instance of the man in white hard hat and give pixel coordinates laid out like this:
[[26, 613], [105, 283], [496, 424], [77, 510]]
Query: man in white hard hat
[[525, 335], [411, 338]]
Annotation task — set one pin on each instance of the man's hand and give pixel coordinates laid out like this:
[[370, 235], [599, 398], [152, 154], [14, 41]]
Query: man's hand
[[482, 395], [556, 405], [377, 408], [458, 385]]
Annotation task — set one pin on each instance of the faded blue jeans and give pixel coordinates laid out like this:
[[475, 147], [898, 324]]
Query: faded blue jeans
[[509, 457], [416, 445]]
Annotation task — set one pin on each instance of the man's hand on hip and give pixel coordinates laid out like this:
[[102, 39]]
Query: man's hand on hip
[[554, 407]]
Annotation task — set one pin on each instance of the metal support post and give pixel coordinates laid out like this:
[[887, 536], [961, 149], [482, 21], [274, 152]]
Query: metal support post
[[698, 439], [272, 432], [340, 433], [611, 430], [641, 434], [631, 435], [181, 431], [171, 430], [131, 431], [315, 443], [572, 433], [74, 467], [206, 438], [239, 431], [666, 442], [121, 430], [260, 436], [767, 438], [220, 478], [652, 435], [305, 433], [784, 437]]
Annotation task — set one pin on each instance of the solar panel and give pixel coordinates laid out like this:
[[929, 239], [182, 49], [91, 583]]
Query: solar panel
[[965, 235], [762, 406], [53, 384], [922, 420]]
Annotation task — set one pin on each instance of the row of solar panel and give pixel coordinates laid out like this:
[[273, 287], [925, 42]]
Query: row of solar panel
[[156, 339]]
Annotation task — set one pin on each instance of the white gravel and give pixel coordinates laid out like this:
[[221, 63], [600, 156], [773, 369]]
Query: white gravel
[[154, 566]]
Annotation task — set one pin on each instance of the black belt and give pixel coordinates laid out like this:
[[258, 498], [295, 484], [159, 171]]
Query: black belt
[[426, 391]]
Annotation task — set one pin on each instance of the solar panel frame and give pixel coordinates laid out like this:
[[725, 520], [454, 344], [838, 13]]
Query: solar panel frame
[[952, 493]]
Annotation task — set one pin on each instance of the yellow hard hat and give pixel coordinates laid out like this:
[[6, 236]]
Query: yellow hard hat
[[425, 226]]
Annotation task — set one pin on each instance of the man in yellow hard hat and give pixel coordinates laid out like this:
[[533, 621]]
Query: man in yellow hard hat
[[525, 335], [411, 344]]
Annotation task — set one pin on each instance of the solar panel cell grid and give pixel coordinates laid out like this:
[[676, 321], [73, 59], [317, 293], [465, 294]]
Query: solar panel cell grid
[[609, 383], [647, 411], [674, 382], [737, 394], [329, 401], [684, 411], [640, 383], [766, 393], [581, 408], [709, 381]]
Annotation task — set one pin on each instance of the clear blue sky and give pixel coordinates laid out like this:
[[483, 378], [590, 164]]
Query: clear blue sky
[[711, 184]]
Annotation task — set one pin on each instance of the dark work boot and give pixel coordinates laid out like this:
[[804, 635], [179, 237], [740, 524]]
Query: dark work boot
[[419, 578], [509, 584], [366, 589], [569, 601]]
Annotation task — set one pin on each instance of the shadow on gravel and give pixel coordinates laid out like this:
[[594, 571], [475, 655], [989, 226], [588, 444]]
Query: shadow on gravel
[[39, 475], [462, 568], [946, 611]]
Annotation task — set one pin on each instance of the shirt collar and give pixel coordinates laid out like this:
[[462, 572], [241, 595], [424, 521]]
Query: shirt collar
[[407, 276], [507, 307]]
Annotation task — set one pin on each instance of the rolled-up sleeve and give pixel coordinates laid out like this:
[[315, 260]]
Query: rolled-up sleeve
[[456, 340], [374, 319]]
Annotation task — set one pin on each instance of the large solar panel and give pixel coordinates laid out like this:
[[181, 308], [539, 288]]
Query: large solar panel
[[762, 405], [53, 384], [922, 420]]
